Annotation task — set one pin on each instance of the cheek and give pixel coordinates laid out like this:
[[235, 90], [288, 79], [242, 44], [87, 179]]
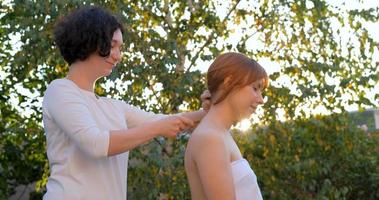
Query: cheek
[[242, 99], [248, 95], [113, 52]]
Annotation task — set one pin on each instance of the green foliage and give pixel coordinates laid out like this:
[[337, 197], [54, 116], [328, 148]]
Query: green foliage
[[318, 158], [158, 172], [167, 41], [22, 157]]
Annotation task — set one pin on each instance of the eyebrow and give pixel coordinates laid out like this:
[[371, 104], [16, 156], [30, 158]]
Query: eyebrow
[[116, 41]]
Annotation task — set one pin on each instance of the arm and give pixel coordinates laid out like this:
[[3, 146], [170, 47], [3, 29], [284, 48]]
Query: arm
[[69, 114], [135, 116], [64, 105], [125, 140], [212, 160]]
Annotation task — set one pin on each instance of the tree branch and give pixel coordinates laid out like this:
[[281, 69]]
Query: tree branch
[[211, 37]]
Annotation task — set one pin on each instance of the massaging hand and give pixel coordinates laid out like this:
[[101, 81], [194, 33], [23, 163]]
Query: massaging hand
[[206, 100], [172, 125]]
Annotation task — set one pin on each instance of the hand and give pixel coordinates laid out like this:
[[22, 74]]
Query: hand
[[206, 100], [172, 125]]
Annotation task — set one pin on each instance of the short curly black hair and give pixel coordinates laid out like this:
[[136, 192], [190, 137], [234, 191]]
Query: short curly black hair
[[84, 31]]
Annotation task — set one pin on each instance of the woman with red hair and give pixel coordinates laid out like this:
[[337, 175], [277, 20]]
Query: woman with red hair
[[213, 162]]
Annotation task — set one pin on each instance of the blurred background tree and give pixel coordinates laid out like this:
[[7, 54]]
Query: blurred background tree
[[323, 157], [321, 58]]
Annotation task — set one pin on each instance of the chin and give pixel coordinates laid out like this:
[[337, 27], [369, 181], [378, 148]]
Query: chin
[[248, 115], [107, 72]]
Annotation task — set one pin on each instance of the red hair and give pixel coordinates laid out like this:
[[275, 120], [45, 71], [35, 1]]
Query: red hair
[[238, 69]]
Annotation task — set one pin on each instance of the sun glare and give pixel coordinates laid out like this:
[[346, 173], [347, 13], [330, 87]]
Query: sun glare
[[244, 125]]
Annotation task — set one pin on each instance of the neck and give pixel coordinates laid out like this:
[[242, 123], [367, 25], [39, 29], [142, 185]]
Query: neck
[[221, 116], [80, 74]]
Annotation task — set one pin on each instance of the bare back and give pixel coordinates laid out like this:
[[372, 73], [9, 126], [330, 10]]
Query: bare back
[[200, 145]]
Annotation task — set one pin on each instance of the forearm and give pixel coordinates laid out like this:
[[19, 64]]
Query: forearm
[[121, 141]]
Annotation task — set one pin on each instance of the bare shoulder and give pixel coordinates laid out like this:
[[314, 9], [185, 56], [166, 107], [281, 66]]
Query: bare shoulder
[[205, 135], [206, 139]]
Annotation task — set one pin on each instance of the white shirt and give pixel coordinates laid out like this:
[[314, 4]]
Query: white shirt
[[245, 181], [77, 125]]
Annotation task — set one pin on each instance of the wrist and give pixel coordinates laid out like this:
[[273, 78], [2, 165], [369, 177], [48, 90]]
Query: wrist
[[153, 128]]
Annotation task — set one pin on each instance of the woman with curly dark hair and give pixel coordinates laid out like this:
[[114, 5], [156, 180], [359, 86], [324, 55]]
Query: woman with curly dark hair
[[89, 137]]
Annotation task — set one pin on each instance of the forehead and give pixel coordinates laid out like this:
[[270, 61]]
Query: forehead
[[117, 36], [259, 82]]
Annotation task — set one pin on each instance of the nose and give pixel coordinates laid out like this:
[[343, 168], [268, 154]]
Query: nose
[[116, 54], [260, 98]]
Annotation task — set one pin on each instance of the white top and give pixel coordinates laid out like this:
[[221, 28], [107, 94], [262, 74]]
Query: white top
[[245, 181], [77, 125]]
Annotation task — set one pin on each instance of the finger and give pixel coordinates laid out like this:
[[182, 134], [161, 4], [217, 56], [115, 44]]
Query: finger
[[206, 92], [175, 131], [187, 122], [205, 97], [182, 127], [178, 130], [172, 134], [203, 105], [206, 106]]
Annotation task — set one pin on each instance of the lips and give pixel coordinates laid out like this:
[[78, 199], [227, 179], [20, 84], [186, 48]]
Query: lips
[[113, 64]]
